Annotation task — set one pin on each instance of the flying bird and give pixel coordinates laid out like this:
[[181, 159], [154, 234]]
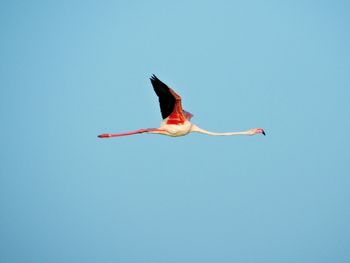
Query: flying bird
[[176, 121]]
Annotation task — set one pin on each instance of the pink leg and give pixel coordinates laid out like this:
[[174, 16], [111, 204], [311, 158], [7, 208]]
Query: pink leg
[[109, 135]]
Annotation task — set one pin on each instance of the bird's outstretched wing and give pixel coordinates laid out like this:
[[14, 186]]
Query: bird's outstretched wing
[[170, 103], [166, 98]]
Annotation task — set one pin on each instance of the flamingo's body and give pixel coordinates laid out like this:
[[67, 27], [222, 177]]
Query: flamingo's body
[[176, 121]]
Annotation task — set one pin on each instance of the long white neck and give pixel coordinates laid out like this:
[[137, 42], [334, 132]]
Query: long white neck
[[199, 130]]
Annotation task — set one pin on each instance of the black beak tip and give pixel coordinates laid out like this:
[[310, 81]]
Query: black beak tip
[[263, 132]]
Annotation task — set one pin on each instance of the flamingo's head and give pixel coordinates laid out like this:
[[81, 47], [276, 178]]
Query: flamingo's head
[[257, 131]]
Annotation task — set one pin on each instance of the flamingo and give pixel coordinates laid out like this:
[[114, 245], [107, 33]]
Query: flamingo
[[176, 121]]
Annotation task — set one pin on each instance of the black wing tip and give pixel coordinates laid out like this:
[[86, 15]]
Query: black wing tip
[[153, 77]]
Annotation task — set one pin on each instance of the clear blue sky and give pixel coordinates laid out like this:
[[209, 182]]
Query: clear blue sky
[[70, 70]]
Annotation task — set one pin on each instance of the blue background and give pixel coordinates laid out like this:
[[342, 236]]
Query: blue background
[[71, 70]]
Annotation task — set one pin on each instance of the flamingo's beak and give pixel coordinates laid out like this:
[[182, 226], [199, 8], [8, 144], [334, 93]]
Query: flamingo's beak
[[263, 132]]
